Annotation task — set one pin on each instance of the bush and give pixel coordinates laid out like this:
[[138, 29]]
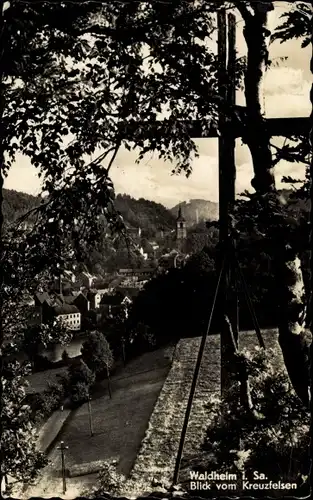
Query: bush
[[278, 444], [110, 480], [80, 393], [141, 339], [43, 405], [65, 357]]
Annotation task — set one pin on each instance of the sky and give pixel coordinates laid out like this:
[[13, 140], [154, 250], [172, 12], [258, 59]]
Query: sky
[[286, 93]]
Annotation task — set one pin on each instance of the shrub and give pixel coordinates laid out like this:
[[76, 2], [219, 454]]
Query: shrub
[[43, 405], [65, 357], [110, 480], [278, 444], [80, 392]]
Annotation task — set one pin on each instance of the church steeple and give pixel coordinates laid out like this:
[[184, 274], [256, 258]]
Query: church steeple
[[180, 217], [181, 229]]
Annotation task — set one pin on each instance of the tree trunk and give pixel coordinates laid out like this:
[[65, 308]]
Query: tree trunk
[[286, 262]]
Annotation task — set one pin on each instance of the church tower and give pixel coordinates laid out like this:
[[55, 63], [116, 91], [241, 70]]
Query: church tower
[[181, 229]]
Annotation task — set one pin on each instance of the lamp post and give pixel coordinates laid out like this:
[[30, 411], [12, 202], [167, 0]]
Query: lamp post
[[62, 448], [90, 416]]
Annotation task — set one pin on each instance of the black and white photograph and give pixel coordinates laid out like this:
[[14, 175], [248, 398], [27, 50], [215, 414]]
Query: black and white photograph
[[156, 235]]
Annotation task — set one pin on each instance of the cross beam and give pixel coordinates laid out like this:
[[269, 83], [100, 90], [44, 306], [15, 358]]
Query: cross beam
[[284, 127]]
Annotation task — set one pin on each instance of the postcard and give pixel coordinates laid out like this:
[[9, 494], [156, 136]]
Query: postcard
[[156, 293]]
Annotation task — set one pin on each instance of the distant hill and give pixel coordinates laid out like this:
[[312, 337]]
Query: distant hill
[[17, 203], [195, 211], [147, 215]]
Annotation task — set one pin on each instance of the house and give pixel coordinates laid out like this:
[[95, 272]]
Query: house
[[142, 273], [69, 315], [34, 315], [78, 299], [94, 296], [86, 279], [113, 303], [173, 259], [50, 304], [153, 249], [44, 303], [70, 276], [134, 233], [129, 292]]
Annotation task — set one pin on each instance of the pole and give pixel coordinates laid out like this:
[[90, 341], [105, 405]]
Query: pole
[[194, 382], [62, 448], [226, 185], [109, 382], [90, 416], [123, 351], [231, 147]]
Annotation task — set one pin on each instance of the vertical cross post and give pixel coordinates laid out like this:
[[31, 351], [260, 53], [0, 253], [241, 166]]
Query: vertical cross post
[[231, 148], [225, 189]]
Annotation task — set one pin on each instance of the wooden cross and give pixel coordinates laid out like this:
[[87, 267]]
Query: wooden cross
[[227, 132]]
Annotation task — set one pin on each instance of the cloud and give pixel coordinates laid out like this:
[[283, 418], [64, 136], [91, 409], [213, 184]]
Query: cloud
[[154, 180], [23, 176]]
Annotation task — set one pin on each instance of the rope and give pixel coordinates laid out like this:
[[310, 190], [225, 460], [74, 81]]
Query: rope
[[250, 305]]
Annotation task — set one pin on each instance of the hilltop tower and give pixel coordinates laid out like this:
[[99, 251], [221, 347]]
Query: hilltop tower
[[181, 228]]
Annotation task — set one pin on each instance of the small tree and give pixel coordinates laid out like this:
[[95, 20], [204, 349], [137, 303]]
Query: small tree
[[80, 379], [98, 356]]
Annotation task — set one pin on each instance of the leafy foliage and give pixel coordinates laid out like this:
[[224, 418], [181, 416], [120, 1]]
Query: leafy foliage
[[15, 204], [79, 382], [43, 405], [147, 215], [18, 439], [297, 24], [36, 336], [109, 479], [279, 445], [97, 354], [75, 85]]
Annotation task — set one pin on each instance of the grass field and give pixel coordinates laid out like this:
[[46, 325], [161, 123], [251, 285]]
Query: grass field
[[119, 424]]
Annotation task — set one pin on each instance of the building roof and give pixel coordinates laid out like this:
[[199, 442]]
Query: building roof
[[101, 284], [42, 297], [129, 291], [113, 300], [65, 309]]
